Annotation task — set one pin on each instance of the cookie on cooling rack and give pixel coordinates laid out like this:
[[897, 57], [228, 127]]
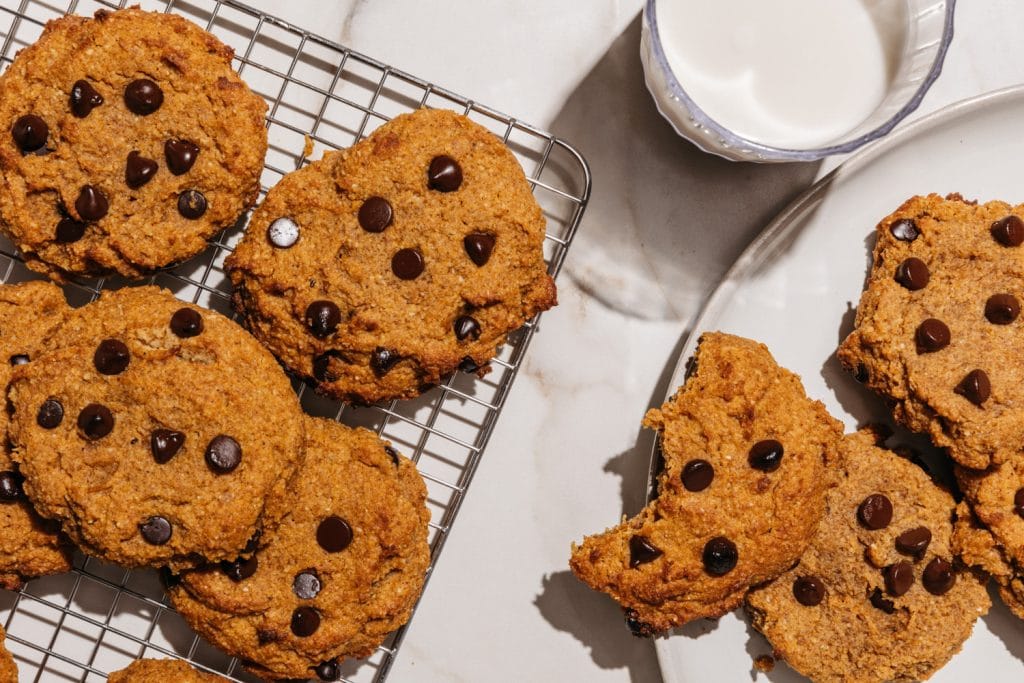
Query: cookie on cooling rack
[[156, 432], [29, 545], [878, 595], [162, 671], [130, 141], [342, 571], [937, 330], [741, 494], [377, 271], [8, 669]]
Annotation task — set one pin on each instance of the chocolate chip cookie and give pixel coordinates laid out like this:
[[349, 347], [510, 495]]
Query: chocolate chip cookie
[[162, 671], [156, 432], [377, 271], [740, 496], [29, 545], [937, 329], [8, 670], [342, 571], [878, 595], [130, 141]]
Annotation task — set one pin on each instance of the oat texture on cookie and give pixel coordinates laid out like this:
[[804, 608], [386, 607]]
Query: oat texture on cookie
[[162, 671], [8, 669]]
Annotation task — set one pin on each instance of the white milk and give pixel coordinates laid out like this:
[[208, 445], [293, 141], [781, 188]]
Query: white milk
[[787, 73]]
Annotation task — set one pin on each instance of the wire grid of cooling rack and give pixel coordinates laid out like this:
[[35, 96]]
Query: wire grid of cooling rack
[[81, 625]]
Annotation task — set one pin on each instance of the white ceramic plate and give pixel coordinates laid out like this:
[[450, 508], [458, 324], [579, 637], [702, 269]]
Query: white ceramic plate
[[795, 289]]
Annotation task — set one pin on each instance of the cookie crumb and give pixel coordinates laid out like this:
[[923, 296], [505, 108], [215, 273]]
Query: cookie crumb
[[307, 149], [764, 663]]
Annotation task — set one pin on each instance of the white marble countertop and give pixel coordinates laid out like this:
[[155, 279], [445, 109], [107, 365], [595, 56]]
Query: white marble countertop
[[568, 456]]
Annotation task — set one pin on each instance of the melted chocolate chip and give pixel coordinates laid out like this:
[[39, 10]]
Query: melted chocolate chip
[[84, 98], [914, 541], [333, 534], [1002, 309], [913, 274], [138, 170], [19, 359], [95, 421], [393, 454], [382, 360], [719, 556], [938, 576], [975, 387], [1018, 502], [240, 569], [444, 174], [186, 322], [875, 512], [642, 551], [156, 530], [479, 246], [466, 327], [697, 475], [50, 414], [111, 357], [165, 444], [30, 133], [468, 365], [407, 264], [143, 97], [879, 601], [92, 204], [766, 455], [899, 577], [1008, 231], [932, 335], [305, 621], [69, 230], [10, 487], [180, 155], [328, 671], [223, 454], [809, 591], [322, 318], [306, 584], [322, 366], [191, 204], [283, 233], [375, 215], [905, 230]]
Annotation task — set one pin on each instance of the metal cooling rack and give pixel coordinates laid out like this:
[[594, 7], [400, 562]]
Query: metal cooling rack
[[97, 619]]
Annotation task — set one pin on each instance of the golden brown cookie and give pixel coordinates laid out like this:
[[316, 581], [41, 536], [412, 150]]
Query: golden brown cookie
[[8, 670], [157, 432], [129, 141], [377, 271], [343, 570], [29, 545], [937, 329], [162, 671], [741, 493], [878, 595]]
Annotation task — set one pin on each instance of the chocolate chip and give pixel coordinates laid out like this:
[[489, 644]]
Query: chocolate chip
[[267, 635], [932, 335], [697, 475], [95, 421], [407, 264], [306, 584], [10, 487], [240, 569], [223, 454], [766, 455], [1008, 231], [143, 97], [382, 360], [283, 233], [393, 454], [333, 534], [19, 359], [444, 174], [468, 365], [305, 621], [138, 170], [50, 414], [479, 246], [328, 671], [905, 230], [156, 530], [111, 357], [938, 576], [899, 577], [1002, 309], [809, 591], [875, 512], [913, 274], [914, 541], [186, 322], [180, 155], [975, 387], [1018, 502], [91, 204], [879, 601], [69, 230], [322, 366], [84, 98], [30, 132], [638, 628], [466, 327], [642, 551], [375, 215], [165, 444], [719, 556], [322, 318], [191, 204]]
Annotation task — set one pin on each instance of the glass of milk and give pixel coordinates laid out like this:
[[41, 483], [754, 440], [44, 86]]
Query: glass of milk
[[791, 80]]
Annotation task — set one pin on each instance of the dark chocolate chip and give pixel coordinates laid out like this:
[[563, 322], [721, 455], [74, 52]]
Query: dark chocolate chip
[[975, 387], [240, 569], [84, 98], [111, 357], [223, 454], [283, 233], [899, 577], [322, 318], [165, 444], [180, 155], [138, 170], [875, 512], [92, 204], [393, 454], [186, 322], [479, 246], [50, 414], [305, 621], [905, 230], [30, 133], [382, 360], [444, 174], [766, 455], [1008, 231], [10, 487], [913, 274], [143, 97], [697, 475], [328, 671], [879, 601], [407, 264], [375, 215], [191, 204], [306, 584], [914, 541], [333, 534], [253, 543], [638, 628], [642, 551], [466, 327], [1018, 502], [932, 335], [468, 365], [95, 421], [719, 556], [1002, 309], [322, 366], [19, 359], [809, 591], [938, 576], [156, 530], [69, 230]]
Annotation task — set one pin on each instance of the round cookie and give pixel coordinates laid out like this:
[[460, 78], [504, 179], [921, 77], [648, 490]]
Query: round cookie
[[162, 671], [343, 570], [878, 596], [377, 271], [937, 329], [740, 496], [128, 140], [8, 669], [157, 433]]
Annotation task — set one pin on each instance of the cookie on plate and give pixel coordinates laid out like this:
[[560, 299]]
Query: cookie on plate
[[878, 595], [8, 669], [343, 570], [162, 671], [129, 141], [742, 491], [937, 329], [377, 271], [156, 432], [29, 545]]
